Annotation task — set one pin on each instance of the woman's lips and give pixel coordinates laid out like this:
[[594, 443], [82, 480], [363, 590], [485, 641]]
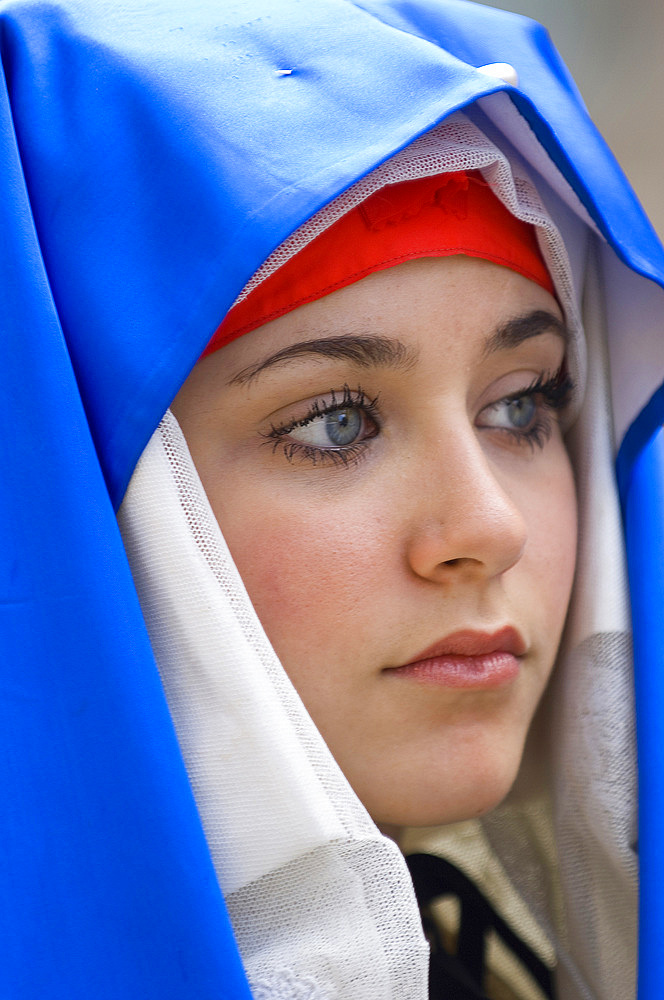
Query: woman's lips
[[468, 659]]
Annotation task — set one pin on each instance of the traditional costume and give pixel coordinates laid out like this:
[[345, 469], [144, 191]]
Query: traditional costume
[[160, 164]]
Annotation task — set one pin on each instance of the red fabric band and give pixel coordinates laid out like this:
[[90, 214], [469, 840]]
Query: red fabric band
[[438, 216]]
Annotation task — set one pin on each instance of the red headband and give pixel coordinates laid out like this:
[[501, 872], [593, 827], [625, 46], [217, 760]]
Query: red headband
[[437, 216]]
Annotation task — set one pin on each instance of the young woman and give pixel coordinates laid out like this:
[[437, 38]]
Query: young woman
[[377, 428]]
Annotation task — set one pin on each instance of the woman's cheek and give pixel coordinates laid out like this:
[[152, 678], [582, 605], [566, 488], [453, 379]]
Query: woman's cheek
[[309, 571]]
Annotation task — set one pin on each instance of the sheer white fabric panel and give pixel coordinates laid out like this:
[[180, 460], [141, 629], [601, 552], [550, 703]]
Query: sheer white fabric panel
[[321, 902]]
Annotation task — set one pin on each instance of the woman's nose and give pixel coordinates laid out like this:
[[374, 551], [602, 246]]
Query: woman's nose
[[467, 523]]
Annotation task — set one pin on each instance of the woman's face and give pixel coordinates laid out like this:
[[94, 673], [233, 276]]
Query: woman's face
[[387, 467]]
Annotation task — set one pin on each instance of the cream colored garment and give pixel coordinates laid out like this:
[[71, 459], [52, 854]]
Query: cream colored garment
[[321, 903]]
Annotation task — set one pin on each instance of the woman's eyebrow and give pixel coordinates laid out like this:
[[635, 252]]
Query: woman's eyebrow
[[515, 331], [365, 351]]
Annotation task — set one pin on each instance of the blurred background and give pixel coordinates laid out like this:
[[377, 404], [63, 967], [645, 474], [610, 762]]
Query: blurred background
[[615, 51]]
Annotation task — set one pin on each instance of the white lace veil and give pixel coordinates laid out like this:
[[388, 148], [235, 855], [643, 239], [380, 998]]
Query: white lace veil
[[321, 902]]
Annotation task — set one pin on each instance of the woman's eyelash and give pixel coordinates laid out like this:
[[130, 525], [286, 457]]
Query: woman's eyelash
[[357, 399], [554, 392], [318, 456]]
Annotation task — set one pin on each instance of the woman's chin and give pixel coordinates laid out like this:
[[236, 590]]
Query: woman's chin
[[460, 776], [430, 807]]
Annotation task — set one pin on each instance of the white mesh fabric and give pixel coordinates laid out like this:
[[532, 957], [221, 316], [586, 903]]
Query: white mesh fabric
[[321, 903], [593, 740]]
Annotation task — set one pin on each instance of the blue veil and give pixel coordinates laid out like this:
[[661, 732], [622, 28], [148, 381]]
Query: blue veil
[[153, 155]]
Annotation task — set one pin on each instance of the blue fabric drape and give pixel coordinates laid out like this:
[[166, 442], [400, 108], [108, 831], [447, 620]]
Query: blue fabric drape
[[152, 156]]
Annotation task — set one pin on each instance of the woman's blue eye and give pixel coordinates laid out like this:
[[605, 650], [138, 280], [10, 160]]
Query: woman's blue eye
[[521, 412], [517, 414], [343, 426], [529, 415], [336, 429]]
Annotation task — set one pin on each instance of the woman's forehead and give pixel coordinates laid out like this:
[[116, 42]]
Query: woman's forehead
[[395, 318]]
